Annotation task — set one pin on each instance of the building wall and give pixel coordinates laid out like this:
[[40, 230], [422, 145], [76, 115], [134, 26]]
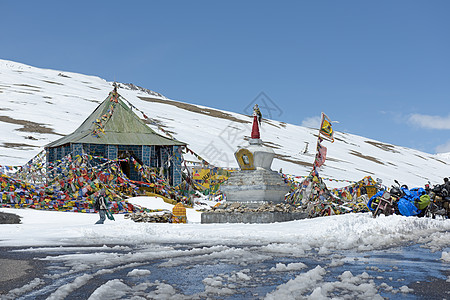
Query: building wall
[[96, 149], [50, 154], [176, 166], [63, 151], [153, 156], [54, 154], [111, 152], [164, 156], [146, 155], [77, 149]]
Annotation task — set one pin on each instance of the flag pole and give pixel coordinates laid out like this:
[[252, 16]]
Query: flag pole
[[317, 145], [326, 130]]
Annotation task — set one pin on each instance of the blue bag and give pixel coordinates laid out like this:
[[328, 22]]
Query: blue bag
[[407, 208]]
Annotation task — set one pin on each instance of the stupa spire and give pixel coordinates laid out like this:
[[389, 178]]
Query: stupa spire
[[256, 121]]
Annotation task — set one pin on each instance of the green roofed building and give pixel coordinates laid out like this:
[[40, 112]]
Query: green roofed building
[[114, 131]]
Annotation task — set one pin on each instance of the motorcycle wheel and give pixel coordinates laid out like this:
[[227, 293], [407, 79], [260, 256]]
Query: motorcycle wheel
[[387, 210], [375, 213], [378, 212], [428, 213]]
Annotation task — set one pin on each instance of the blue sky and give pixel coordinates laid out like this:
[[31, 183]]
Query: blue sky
[[380, 68]]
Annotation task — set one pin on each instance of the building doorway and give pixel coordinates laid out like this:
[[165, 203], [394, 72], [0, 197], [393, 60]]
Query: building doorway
[[125, 165]]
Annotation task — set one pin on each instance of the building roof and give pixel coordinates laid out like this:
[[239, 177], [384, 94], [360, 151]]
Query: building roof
[[114, 123]]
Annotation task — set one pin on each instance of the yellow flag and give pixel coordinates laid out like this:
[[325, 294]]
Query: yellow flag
[[325, 128]]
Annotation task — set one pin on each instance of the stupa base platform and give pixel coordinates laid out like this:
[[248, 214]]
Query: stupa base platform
[[252, 217], [249, 213], [259, 186]]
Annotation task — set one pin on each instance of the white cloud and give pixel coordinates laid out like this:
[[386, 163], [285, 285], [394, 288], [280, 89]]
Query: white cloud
[[444, 148], [313, 122], [431, 122]]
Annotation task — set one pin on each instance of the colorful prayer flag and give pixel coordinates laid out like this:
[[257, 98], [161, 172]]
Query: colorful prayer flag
[[325, 128], [320, 156]]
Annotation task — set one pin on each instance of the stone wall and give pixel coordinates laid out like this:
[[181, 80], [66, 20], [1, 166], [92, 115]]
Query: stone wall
[[253, 213], [252, 217]]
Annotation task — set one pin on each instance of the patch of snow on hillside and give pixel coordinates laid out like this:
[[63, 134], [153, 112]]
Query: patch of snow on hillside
[[38, 106]]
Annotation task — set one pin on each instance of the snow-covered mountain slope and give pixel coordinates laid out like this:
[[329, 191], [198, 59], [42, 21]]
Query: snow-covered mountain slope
[[444, 156], [38, 106]]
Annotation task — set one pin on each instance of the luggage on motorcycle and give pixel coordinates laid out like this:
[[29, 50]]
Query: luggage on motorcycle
[[373, 201], [407, 208], [423, 202]]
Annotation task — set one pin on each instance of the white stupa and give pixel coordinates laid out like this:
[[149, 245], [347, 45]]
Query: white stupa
[[255, 182]]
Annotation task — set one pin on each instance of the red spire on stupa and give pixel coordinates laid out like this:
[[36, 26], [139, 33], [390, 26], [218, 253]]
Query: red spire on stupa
[[255, 128]]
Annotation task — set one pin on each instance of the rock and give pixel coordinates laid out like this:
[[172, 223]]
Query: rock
[[265, 207], [235, 205], [7, 218], [150, 218]]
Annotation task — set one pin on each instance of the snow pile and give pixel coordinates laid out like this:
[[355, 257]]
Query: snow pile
[[163, 291], [404, 289], [63, 291], [311, 285], [350, 231], [445, 256], [215, 286], [137, 272], [14, 293], [113, 289], [301, 285], [290, 267], [241, 245]]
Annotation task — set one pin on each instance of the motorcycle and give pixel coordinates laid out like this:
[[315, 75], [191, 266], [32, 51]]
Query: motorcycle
[[440, 201], [383, 202], [385, 205], [413, 202], [399, 200]]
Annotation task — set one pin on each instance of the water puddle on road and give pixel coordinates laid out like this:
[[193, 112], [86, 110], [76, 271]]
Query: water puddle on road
[[227, 272]]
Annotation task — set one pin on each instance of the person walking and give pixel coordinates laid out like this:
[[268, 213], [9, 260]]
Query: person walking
[[100, 205]]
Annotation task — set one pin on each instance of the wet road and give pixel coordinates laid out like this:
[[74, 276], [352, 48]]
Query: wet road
[[219, 272]]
